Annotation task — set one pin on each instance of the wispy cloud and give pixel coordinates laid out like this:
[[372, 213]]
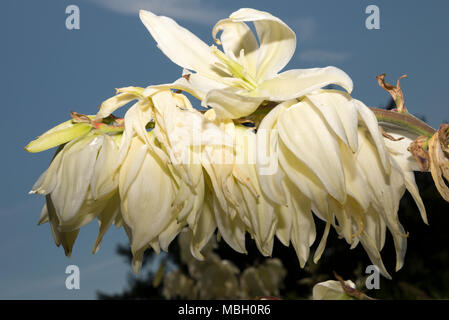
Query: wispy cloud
[[323, 56], [304, 27], [198, 11]]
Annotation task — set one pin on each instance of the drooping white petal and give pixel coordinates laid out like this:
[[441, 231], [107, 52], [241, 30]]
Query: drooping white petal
[[270, 175], [66, 239], [180, 45], [344, 227], [277, 40], [74, 177], [303, 232], [103, 182], [373, 253], [369, 119], [48, 179], [387, 190], [304, 179], [340, 113], [260, 212], [399, 152], [296, 83], [143, 209], [232, 229], [284, 224], [43, 218], [305, 133], [203, 229], [356, 184], [170, 233], [106, 218], [322, 245]]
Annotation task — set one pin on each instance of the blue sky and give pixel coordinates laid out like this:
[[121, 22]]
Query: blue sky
[[47, 70]]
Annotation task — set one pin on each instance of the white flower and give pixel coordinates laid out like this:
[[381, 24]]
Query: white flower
[[236, 199], [331, 290], [80, 185], [237, 81], [173, 168], [172, 151], [330, 158], [155, 204]]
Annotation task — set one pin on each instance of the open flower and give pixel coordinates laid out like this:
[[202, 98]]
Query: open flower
[[235, 82]]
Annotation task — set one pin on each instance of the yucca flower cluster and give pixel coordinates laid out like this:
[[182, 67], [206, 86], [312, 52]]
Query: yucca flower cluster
[[312, 154]]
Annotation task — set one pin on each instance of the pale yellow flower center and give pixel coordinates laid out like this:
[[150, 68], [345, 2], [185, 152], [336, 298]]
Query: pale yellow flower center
[[236, 69]]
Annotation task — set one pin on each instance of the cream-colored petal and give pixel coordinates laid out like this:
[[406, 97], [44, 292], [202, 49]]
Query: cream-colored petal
[[169, 234], [387, 190], [356, 183], [374, 227], [180, 45], [136, 119], [367, 117], [203, 229], [284, 224], [103, 181], [304, 179], [373, 253], [410, 183], [48, 179], [322, 245], [235, 37], [296, 83], [74, 176], [145, 212], [331, 290], [344, 227], [228, 104], [231, 229], [340, 113], [259, 210], [106, 218], [114, 103], [270, 175], [305, 133], [303, 231], [197, 85], [218, 162], [66, 239], [43, 218], [277, 41]]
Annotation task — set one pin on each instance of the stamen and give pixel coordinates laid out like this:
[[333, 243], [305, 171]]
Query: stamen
[[236, 69]]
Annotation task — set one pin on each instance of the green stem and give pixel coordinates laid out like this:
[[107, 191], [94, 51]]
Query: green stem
[[404, 120]]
